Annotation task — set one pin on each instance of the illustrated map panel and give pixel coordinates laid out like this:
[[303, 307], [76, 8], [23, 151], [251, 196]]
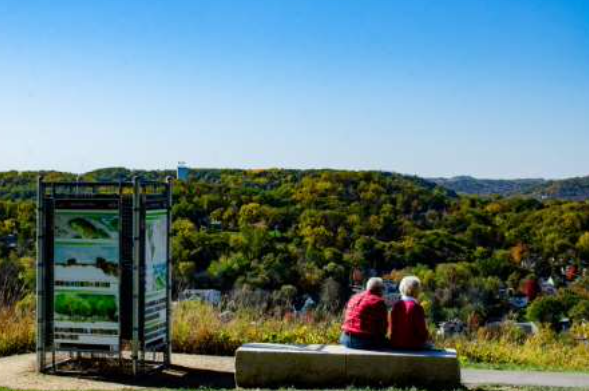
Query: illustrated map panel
[[156, 272], [86, 279]]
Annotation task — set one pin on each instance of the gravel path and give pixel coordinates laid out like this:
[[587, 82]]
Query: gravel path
[[192, 371], [188, 371], [521, 378]]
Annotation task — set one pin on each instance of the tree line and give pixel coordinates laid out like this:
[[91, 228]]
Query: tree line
[[306, 232]]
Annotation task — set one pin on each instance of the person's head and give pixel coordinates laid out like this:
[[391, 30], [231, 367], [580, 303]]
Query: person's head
[[375, 285], [410, 286]]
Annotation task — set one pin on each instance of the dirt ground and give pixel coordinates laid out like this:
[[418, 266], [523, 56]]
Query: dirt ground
[[193, 371], [187, 371]]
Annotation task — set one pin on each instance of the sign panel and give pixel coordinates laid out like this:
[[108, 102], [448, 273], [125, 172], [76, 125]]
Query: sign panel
[[86, 278], [156, 272]]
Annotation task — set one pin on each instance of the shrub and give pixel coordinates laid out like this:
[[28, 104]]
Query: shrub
[[580, 311], [547, 310]]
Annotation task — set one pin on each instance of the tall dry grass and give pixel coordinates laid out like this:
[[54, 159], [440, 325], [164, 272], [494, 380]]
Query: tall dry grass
[[201, 329], [543, 351], [17, 331]]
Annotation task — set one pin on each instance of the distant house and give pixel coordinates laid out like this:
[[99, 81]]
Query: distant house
[[519, 302], [548, 287], [9, 241], [215, 225], [210, 296]]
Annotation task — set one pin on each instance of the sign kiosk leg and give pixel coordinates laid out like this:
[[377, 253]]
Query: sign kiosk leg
[[40, 277], [136, 273], [168, 348]]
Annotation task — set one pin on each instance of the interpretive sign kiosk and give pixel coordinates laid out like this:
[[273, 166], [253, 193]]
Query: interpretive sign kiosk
[[104, 273]]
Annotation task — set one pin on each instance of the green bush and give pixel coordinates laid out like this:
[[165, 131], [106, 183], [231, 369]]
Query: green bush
[[580, 312], [548, 310]]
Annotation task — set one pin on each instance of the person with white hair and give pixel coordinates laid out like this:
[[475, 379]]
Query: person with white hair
[[407, 328], [365, 318]]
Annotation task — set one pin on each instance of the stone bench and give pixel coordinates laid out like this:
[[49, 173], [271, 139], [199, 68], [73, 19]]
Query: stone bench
[[261, 365]]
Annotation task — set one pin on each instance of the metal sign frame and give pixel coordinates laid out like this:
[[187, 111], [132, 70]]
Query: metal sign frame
[[134, 199]]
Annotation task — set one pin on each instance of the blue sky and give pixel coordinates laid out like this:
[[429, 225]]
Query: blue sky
[[429, 87]]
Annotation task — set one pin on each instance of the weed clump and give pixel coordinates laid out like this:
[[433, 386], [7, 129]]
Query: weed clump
[[17, 331]]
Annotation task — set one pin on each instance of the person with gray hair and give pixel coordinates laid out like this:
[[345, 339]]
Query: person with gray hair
[[407, 328], [410, 286], [365, 318], [375, 285]]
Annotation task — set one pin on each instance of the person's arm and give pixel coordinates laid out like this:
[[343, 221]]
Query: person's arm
[[419, 324], [390, 323], [382, 317], [392, 318]]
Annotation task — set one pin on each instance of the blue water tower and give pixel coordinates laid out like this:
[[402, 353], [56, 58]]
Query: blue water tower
[[182, 173]]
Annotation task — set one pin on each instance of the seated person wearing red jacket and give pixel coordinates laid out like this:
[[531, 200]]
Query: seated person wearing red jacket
[[365, 319], [407, 328]]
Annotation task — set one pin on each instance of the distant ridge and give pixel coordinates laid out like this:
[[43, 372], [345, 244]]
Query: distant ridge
[[503, 187], [573, 189]]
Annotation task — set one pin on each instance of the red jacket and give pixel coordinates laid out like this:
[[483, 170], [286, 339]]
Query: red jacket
[[407, 325], [366, 316]]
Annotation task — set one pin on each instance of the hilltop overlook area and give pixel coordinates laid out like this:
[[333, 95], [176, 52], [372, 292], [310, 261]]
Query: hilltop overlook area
[[285, 249], [367, 194]]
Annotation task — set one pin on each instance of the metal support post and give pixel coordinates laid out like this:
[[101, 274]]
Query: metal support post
[[136, 270], [40, 277], [168, 351]]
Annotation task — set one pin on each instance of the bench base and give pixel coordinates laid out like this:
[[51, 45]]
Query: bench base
[[274, 365]]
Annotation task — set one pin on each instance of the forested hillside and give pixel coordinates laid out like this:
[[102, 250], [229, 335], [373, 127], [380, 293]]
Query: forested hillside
[[567, 189], [304, 232], [563, 189], [487, 187]]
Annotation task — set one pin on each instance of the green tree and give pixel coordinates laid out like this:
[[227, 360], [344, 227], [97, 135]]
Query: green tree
[[548, 310], [583, 245]]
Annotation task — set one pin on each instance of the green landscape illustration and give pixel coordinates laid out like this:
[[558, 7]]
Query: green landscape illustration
[[89, 225], [87, 307]]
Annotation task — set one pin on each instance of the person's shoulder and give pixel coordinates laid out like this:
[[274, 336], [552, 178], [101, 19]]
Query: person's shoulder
[[359, 295], [401, 305], [414, 306], [356, 297], [375, 299]]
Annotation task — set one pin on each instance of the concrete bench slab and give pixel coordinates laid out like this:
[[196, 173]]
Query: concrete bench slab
[[428, 368], [274, 365]]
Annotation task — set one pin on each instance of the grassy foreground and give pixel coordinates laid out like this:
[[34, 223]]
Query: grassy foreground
[[201, 329]]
